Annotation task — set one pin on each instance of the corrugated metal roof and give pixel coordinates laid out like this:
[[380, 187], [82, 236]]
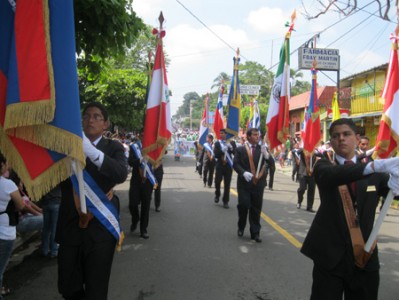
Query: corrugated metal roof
[[325, 94]]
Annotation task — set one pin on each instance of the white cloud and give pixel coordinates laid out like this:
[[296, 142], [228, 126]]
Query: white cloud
[[268, 20]]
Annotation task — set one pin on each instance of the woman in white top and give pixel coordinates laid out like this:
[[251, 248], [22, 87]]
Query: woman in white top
[[8, 191]]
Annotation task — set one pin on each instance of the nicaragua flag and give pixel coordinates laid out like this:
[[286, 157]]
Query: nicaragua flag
[[277, 120], [218, 122], [234, 102], [40, 125], [157, 125], [388, 135], [312, 135], [204, 130], [255, 120]]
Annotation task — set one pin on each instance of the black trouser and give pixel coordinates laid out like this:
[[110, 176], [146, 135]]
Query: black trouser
[[250, 200], [140, 194], [306, 183], [295, 169], [223, 172], [344, 279], [84, 270], [209, 168], [270, 172], [158, 173]]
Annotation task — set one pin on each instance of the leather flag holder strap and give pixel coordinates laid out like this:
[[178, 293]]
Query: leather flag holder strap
[[252, 166], [360, 255]]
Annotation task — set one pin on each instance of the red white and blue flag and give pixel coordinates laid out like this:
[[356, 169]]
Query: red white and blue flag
[[254, 122], [204, 129], [157, 125], [311, 134], [40, 125], [218, 123]]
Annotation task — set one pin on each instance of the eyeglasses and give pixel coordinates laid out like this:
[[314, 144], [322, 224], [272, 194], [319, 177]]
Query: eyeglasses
[[95, 117]]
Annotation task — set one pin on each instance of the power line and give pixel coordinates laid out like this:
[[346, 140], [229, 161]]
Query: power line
[[206, 26]]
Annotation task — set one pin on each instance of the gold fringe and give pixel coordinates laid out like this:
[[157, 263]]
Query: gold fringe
[[29, 113], [53, 138], [42, 184], [119, 244]]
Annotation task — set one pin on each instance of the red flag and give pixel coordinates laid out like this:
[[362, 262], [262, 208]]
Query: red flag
[[311, 133], [388, 134], [157, 125], [218, 122]]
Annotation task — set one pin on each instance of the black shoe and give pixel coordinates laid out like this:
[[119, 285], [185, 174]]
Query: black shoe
[[310, 210], [298, 205], [133, 227], [293, 178], [257, 239], [270, 189], [157, 209], [144, 235], [225, 205], [209, 186], [240, 232], [216, 199]]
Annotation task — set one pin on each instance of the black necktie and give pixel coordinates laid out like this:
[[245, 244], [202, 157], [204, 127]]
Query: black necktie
[[253, 151], [353, 183]]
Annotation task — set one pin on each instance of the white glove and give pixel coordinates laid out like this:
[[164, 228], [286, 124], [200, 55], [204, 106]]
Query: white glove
[[264, 151], [393, 184], [389, 165], [95, 155], [248, 176]]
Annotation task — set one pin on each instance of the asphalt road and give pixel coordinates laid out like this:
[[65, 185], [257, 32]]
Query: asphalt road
[[194, 253]]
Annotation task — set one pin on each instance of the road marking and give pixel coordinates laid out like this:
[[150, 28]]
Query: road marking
[[277, 227]]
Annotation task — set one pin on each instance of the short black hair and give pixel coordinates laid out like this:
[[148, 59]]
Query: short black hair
[[252, 130], [363, 137], [210, 136], [222, 130], [343, 121], [3, 159], [100, 106]]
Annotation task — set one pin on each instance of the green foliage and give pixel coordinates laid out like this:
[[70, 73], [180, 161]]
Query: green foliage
[[104, 28], [123, 94]]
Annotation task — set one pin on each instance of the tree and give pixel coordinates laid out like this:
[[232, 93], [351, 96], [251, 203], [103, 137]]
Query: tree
[[123, 94], [184, 109], [298, 86], [348, 7], [104, 28], [222, 77]]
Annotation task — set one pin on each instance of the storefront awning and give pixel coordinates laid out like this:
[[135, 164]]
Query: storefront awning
[[366, 115]]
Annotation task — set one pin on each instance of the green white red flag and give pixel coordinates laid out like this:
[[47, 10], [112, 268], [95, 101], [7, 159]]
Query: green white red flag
[[277, 120]]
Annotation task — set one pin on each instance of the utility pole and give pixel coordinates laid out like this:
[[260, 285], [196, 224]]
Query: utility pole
[[191, 115]]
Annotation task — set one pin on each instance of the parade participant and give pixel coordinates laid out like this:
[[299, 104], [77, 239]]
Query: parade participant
[[208, 161], [223, 151], [306, 180], [141, 187], [296, 159], [10, 200], [250, 164], [339, 267], [158, 173], [51, 207], [270, 170], [364, 151], [87, 248]]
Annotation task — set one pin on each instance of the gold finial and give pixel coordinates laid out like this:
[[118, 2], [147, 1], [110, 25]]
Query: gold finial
[[293, 16], [314, 64], [238, 52], [149, 56]]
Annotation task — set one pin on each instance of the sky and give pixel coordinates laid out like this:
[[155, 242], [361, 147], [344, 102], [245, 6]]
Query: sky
[[257, 28]]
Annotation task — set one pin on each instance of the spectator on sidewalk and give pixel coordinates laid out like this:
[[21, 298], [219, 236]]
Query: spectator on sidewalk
[[31, 219], [51, 206], [10, 202]]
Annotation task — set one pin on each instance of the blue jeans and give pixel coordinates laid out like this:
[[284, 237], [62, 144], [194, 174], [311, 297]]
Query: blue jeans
[[5, 253], [50, 218], [30, 223]]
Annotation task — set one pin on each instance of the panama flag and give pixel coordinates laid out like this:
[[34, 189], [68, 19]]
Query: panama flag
[[204, 130], [277, 120], [218, 122], [157, 125], [255, 120], [311, 135], [388, 134], [234, 102], [40, 125]]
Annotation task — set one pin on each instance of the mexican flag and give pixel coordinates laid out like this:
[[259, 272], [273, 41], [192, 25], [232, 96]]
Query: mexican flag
[[277, 121]]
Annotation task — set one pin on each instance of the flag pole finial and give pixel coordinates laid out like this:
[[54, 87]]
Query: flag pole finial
[[238, 52], [161, 19]]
